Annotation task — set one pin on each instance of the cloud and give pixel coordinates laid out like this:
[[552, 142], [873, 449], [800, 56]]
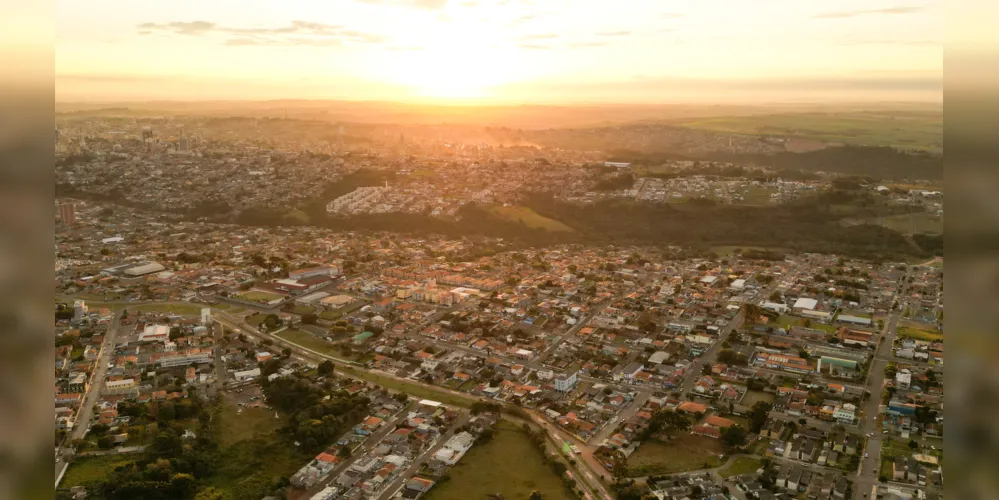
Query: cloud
[[671, 15], [533, 46], [295, 33], [614, 33], [863, 12], [891, 42], [539, 36], [587, 44], [417, 4], [180, 27]]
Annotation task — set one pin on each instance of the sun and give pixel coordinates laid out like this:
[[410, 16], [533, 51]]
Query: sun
[[454, 63]]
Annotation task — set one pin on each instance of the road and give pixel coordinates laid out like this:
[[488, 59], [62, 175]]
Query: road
[[86, 412], [365, 447], [867, 475], [397, 484], [693, 371]]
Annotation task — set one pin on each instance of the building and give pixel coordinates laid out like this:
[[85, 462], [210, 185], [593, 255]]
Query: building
[[565, 383], [903, 379], [804, 304], [206, 316], [155, 333], [79, 309], [299, 274], [67, 213]]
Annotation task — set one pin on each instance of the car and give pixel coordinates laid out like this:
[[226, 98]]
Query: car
[[58, 459], [867, 455], [884, 432]]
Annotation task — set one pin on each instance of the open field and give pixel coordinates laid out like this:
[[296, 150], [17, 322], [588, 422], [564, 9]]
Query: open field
[[509, 465], [686, 452], [917, 222], [411, 388], [741, 465], [302, 310], [529, 218], [918, 334], [245, 424], [257, 296], [786, 320], [312, 342], [251, 454], [89, 470], [904, 130], [182, 309], [753, 397]]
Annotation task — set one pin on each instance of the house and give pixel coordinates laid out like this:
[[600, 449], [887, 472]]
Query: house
[[419, 484]]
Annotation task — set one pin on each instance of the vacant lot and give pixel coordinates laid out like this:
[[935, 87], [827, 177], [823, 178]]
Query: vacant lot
[[509, 465], [915, 334], [684, 453], [258, 296], [411, 388], [181, 309], [90, 470], [787, 320], [252, 455], [529, 218], [312, 342], [753, 397], [245, 423], [741, 465]]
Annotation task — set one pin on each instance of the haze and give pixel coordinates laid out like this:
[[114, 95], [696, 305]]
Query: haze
[[510, 51]]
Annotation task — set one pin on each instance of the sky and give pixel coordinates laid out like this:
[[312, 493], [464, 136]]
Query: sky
[[500, 51]]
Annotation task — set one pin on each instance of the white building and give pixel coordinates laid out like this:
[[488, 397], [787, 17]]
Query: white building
[[155, 333], [903, 379], [246, 374], [565, 383], [805, 303], [206, 316]]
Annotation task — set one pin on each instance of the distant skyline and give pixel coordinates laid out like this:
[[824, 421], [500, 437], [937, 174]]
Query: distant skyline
[[500, 51]]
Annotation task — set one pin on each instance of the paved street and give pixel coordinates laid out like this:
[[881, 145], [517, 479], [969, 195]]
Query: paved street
[[401, 479], [86, 412]]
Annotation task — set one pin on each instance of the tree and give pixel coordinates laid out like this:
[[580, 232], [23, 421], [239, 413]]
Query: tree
[[309, 319], [535, 495], [775, 296], [734, 436], [758, 415], [325, 368], [913, 444], [105, 442]]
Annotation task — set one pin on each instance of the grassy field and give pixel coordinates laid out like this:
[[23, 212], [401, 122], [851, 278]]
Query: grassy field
[[753, 397], [252, 455], [919, 222], [182, 309], [251, 422], [301, 310], [89, 470], [257, 296], [509, 465], [918, 334], [256, 319], [529, 218], [410, 388], [684, 453], [784, 320], [312, 342], [741, 465], [913, 130]]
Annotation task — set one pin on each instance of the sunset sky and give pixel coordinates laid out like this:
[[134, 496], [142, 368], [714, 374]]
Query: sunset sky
[[504, 51]]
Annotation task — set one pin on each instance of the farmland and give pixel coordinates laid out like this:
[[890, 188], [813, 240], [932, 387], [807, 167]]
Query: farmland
[[910, 130]]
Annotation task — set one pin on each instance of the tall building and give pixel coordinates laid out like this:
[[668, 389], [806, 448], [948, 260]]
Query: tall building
[[67, 212]]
